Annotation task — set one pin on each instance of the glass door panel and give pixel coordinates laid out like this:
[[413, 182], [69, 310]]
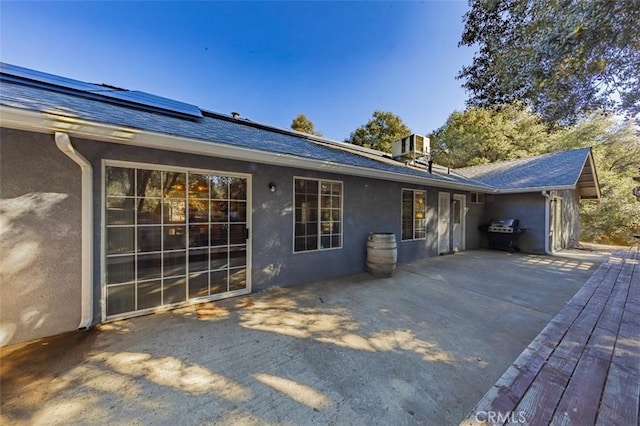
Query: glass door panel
[[172, 236]]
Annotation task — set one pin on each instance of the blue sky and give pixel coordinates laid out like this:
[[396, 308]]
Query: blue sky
[[336, 62]]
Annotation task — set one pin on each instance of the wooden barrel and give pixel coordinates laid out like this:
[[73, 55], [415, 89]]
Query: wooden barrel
[[382, 253]]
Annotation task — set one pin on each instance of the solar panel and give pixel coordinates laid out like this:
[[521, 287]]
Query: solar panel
[[124, 97]]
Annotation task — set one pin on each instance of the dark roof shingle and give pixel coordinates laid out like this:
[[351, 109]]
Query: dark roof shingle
[[209, 128], [20, 91], [555, 170]]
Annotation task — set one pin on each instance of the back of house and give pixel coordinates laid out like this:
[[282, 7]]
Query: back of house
[[117, 203]]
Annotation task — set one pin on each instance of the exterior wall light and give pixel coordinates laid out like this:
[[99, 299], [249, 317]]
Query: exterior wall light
[[272, 187]]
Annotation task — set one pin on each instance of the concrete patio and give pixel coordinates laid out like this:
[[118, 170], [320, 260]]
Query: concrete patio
[[421, 347]]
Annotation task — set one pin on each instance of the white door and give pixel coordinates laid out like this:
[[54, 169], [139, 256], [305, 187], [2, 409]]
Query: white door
[[444, 219], [458, 227]]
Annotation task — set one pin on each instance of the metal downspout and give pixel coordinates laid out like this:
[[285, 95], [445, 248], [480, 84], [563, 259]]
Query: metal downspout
[[64, 144], [547, 224]]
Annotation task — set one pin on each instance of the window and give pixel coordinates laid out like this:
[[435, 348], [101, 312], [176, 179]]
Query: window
[[318, 214], [414, 214], [172, 235], [477, 198]]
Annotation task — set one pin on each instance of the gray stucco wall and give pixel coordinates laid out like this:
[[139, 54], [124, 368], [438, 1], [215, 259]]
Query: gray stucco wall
[[529, 208], [35, 166], [475, 219], [369, 206], [40, 223]]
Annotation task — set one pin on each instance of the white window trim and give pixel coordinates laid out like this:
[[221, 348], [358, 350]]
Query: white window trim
[[103, 238], [413, 214], [293, 229]]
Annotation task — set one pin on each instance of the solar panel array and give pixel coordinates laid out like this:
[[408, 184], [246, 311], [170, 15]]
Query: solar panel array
[[109, 94]]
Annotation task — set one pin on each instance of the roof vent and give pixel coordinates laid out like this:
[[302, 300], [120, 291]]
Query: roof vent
[[235, 114]]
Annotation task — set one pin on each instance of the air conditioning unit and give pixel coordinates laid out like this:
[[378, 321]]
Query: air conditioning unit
[[411, 148]]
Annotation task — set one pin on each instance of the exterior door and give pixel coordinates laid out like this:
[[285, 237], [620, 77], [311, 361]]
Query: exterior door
[[173, 235], [458, 226], [444, 219]]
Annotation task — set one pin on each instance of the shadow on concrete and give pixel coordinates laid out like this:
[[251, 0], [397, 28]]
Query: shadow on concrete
[[421, 347]]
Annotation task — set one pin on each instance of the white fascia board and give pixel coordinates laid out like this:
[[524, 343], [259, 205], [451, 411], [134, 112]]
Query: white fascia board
[[535, 189], [596, 182], [45, 122]]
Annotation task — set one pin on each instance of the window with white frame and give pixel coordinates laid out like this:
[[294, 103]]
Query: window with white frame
[[414, 214], [477, 198], [318, 214], [172, 235]]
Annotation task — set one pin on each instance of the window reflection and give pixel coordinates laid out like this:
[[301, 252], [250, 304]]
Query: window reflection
[[317, 211], [173, 235], [414, 214], [174, 185], [149, 183]]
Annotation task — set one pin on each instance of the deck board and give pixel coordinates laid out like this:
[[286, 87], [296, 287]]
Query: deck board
[[587, 382], [584, 366], [507, 392], [621, 397]]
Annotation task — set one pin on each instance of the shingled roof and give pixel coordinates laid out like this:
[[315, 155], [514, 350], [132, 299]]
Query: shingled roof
[[573, 169], [64, 99], [44, 102]]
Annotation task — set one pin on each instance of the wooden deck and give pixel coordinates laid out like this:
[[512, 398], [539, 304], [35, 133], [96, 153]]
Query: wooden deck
[[584, 367]]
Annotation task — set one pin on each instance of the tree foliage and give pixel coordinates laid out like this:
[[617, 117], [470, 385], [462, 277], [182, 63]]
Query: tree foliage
[[482, 135], [486, 135], [302, 124], [380, 131], [616, 217], [563, 58]]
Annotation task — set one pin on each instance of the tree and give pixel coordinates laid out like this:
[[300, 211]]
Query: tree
[[380, 131], [302, 124], [486, 135], [563, 58], [616, 217]]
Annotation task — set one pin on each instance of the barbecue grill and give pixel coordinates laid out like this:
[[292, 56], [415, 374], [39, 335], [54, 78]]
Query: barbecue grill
[[503, 234]]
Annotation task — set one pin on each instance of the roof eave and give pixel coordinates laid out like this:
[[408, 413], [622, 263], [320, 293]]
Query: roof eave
[[596, 182], [593, 184], [51, 122], [535, 189]]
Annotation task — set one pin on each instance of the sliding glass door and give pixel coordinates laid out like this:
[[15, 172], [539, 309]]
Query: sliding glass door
[[173, 235]]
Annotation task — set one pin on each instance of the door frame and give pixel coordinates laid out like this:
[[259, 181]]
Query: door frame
[[188, 301]]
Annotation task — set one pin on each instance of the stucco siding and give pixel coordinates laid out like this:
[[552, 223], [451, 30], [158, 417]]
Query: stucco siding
[[40, 238], [474, 220], [41, 204], [529, 208], [369, 206]]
